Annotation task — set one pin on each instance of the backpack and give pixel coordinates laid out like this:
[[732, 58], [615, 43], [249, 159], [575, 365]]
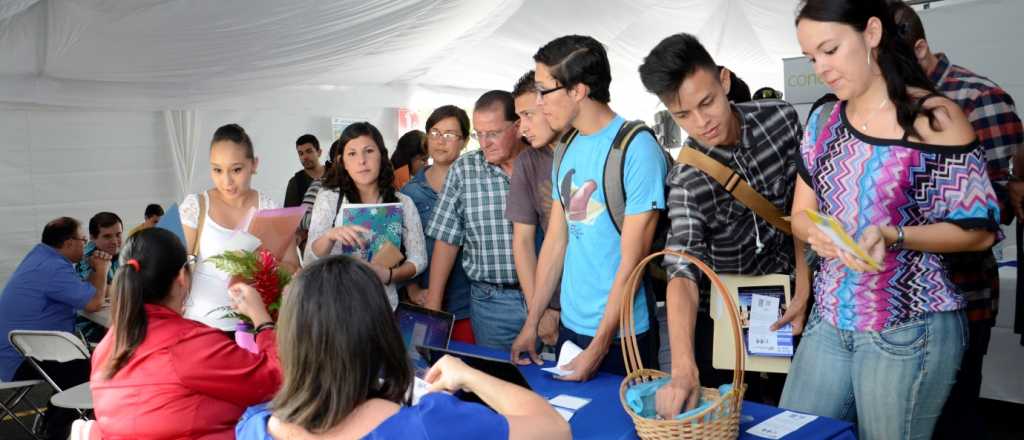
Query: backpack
[[614, 185]]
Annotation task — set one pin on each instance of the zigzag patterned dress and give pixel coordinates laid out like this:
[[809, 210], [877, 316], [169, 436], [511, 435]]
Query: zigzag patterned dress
[[864, 181]]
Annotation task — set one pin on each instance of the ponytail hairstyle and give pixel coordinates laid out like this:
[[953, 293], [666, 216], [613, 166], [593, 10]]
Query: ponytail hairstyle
[[150, 262], [895, 58], [339, 179]]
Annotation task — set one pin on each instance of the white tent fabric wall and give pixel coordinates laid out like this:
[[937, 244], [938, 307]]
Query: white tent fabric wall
[[183, 136], [75, 163]]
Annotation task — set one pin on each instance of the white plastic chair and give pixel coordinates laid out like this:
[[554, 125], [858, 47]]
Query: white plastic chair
[[42, 346], [19, 390]]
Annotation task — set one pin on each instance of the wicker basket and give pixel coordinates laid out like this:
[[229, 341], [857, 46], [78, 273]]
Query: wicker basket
[[719, 421]]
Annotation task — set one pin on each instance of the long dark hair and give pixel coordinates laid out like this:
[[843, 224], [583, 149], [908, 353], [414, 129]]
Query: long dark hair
[[339, 179], [332, 364], [896, 60], [160, 256]]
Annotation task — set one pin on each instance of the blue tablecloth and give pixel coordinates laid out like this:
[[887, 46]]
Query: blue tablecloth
[[604, 418]]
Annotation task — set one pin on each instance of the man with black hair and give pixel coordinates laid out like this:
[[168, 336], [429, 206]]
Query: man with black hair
[[43, 294], [583, 244], [308, 148], [757, 141], [993, 115], [152, 216], [529, 199], [105, 235], [470, 215]]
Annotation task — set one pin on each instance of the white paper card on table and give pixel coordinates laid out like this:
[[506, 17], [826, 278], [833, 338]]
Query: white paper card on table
[[566, 414], [568, 352], [780, 425], [568, 402]]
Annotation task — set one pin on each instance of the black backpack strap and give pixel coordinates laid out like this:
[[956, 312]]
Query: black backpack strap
[[565, 187], [614, 171]]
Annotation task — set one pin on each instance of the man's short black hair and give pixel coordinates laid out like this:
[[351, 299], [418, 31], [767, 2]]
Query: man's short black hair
[[527, 84], [498, 99], [103, 220], [908, 24], [59, 230], [154, 209], [308, 139], [578, 59], [670, 62], [739, 91]]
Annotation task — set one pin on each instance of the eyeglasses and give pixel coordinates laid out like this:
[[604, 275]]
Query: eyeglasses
[[541, 92], [481, 136], [83, 240], [447, 136]]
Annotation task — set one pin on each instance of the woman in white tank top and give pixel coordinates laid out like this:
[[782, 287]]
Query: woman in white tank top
[[232, 164]]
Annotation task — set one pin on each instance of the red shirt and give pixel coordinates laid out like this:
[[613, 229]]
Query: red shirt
[[185, 380]]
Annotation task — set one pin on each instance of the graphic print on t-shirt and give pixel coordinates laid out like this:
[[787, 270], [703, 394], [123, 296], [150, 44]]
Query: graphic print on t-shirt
[[582, 208]]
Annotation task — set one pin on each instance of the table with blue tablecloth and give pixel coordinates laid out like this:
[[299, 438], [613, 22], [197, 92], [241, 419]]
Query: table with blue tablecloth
[[604, 417]]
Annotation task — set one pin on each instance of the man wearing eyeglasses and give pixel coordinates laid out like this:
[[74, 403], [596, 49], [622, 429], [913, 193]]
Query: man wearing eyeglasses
[[470, 215], [43, 294], [582, 245]]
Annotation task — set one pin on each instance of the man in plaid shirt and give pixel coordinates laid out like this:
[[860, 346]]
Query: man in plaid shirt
[[470, 215], [992, 113]]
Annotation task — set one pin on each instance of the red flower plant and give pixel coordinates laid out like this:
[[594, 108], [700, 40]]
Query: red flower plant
[[258, 269]]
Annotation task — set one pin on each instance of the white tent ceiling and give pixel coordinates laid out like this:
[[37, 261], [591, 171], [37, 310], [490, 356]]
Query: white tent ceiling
[[160, 54]]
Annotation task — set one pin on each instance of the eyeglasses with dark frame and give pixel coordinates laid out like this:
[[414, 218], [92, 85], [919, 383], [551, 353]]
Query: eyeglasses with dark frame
[[446, 136]]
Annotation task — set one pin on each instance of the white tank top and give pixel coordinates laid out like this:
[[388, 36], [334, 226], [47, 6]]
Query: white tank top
[[209, 284]]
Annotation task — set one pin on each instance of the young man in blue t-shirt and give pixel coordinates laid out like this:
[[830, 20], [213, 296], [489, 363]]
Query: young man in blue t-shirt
[[582, 245]]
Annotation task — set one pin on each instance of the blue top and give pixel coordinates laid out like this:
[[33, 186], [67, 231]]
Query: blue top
[[43, 294], [456, 298], [594, 250], [84, 267], [437, 416]]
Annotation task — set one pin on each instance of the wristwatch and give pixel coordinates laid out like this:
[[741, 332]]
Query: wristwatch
[[897, 244]]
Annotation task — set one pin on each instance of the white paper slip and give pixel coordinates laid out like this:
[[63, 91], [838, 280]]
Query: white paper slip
[[566, 414], [780, 425], [568, 402], [764, 310], [420, 388], [557, 371], [568, 352]]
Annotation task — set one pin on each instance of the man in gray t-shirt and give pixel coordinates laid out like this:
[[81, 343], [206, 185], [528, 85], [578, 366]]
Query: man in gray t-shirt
[[529, 198]]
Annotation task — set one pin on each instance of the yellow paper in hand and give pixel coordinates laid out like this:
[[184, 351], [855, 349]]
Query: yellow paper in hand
[[831, 227]]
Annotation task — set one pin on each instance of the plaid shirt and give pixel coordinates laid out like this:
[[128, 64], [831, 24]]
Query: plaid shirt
[[710, 224], [991, 111], [471, 214]]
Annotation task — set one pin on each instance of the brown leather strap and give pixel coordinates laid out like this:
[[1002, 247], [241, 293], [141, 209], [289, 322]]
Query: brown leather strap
[[194, 251], [735, 185]]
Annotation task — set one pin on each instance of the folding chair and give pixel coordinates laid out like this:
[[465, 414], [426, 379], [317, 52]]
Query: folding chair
[[42, 346], [19, 390]]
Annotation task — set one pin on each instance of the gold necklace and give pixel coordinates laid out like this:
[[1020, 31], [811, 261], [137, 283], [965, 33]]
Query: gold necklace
[[864, 125]]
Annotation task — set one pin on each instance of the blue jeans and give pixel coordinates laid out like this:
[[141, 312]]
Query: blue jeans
[[892, 383], [497, 314]]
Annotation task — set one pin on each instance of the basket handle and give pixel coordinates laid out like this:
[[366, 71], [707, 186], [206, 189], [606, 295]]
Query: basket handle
[[627, 330]]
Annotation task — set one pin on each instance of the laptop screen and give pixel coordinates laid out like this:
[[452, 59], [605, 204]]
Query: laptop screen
[[421, 326]]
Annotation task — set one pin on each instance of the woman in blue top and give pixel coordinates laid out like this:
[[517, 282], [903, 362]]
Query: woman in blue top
[[447, 135], [350, 378]]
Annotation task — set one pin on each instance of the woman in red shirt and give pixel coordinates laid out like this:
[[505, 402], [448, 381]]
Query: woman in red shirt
[[157, 375]]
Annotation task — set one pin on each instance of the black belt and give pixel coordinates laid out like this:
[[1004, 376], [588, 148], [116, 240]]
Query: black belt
[[502, 286]]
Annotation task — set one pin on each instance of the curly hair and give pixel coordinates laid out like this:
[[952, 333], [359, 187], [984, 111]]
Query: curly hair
[[338, 178]]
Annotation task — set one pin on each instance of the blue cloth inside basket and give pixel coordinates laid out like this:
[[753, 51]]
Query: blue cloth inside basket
[[642, 397]]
